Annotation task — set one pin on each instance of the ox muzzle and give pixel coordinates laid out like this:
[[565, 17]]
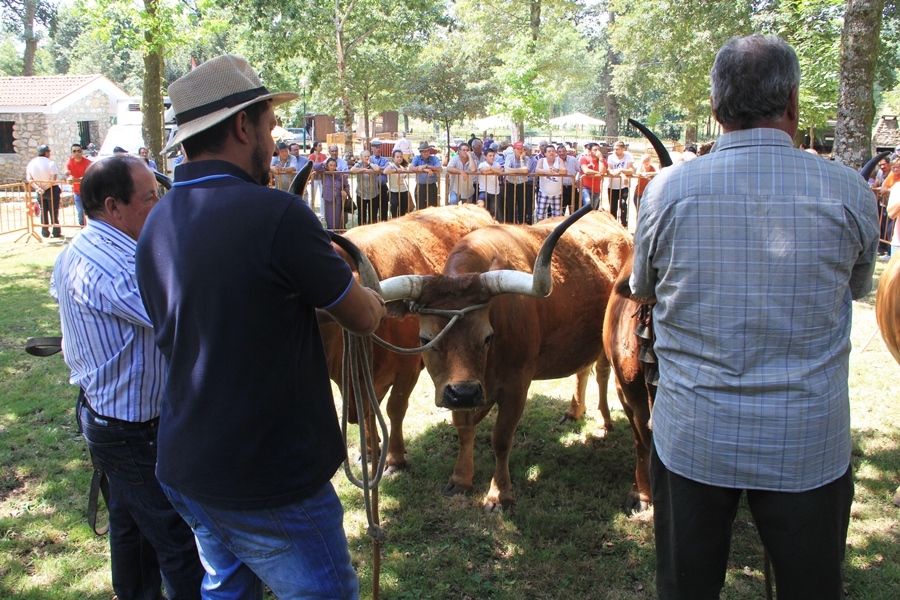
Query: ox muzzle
[[465, 395]]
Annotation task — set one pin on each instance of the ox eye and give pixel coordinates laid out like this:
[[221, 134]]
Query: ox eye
[[487, 340], [423, 341]]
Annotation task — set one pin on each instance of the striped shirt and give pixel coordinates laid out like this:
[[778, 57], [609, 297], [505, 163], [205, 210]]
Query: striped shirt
[[754, 253], [107, 336]]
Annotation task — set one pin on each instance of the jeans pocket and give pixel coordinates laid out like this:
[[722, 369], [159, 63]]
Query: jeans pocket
[[257, 533], [116, 459]]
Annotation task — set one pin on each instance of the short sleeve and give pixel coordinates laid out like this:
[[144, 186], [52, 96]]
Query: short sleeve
[[302, 253]]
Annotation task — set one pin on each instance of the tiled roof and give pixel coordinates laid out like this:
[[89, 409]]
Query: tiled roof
[[40, 91], [887, 133]]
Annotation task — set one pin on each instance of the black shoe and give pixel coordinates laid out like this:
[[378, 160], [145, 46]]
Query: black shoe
[[45, 233]]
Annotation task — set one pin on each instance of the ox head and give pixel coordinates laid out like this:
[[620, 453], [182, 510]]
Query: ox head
[[457, 362]]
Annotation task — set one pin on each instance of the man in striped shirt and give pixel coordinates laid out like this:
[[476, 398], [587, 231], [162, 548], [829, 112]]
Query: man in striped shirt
[[753, 254], [108, 344]]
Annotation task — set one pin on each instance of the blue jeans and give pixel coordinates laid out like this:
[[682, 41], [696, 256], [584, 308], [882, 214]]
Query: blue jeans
[[149, 542], [589, 197], [79, 209], [299, 550]]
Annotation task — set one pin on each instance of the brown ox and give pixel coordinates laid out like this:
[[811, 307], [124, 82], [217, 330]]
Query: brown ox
[[887, 313], [417, 243], [493, 353]]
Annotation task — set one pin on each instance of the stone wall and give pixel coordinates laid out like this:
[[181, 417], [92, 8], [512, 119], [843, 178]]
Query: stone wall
[[59, 131]]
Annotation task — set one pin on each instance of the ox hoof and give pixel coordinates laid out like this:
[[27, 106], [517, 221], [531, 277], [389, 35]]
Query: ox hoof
[[634, 504], [454, 489], [897, 497], [567, 418], [601, 431], [490, 506], [392, 469]]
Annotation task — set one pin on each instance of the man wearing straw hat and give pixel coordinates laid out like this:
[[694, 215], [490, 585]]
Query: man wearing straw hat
[[231, 273]]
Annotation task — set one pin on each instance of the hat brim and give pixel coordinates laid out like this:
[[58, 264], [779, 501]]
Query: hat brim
[[203, 123]]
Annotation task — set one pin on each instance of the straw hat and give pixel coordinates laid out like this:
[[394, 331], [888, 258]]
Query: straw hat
[[214, 91]]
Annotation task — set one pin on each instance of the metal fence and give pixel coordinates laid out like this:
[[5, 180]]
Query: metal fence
[[24, 210]]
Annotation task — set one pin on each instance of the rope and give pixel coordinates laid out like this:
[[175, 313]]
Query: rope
[[453, 315]]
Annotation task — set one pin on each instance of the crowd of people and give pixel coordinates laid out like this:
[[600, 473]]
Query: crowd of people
[[190, 327]]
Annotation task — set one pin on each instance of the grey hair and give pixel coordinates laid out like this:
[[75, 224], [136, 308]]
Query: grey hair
[[752, 80]]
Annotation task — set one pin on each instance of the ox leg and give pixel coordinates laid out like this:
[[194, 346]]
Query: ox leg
[[576, 406], [397, 405], [508, 415], [603, 405], [465, 422], [636, 404]]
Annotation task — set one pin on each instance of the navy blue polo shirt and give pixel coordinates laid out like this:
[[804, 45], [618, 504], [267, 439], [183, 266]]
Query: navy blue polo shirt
[[231, 273]]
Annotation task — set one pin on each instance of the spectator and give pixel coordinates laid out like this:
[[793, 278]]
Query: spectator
[[472, 138], [428, 169], [283, 167], [74, 171], [144, 153], [397, 175], [876, 183], [550, 184], [461, 179], [119, 151], [620, 166], [381, 211], [570, 194], [893, 212], [516, 198], [404, 146], [340, 163], [108, 345], [593, 168], [41, 173], [689, 154], [752, 341], [335, 192], [489, 182], [249, 438], [368, 190], [316, 156], [646, 171]]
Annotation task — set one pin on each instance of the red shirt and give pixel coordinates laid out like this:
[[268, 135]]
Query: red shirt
[[77, 168], [592, 182], [317, 158]]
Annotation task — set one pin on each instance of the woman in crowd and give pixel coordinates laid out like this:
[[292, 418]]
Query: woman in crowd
[[397, 185], [316, 156], [335, 192]]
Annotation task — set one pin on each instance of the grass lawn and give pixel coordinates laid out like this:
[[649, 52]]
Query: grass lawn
[[567, 538]]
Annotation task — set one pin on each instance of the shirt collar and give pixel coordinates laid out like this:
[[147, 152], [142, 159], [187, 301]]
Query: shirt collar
[[758, 136], [188, 171], [116, 236]]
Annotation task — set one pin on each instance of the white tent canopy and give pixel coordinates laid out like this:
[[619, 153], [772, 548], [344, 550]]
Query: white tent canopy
[[491, 122], [577, 120]]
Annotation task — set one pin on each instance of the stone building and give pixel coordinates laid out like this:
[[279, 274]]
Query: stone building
[[54, 110], [887, 134]]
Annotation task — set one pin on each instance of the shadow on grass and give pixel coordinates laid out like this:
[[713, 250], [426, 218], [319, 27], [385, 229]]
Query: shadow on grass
[[568, 536], [46, 548]]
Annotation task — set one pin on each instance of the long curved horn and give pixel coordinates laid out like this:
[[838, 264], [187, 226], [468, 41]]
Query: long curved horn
[[869, 167], [540, 283], [402, 287], [298, 184], [664, 159], [367, 275]]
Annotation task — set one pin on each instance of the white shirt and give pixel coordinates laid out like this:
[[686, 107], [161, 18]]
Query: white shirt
[[614, 162], [489, 184], [550, 186], [405, 145], [42, 168]]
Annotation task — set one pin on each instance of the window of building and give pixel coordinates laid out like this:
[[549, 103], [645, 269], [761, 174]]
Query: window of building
[[84, 132], [6, 137]]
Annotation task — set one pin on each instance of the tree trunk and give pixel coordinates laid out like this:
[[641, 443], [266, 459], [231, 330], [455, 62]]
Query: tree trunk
[[610, 102], [29, 37], [518, 131], [535, 22], [860, 40], [152, 108], [366, 116], [690, 133]]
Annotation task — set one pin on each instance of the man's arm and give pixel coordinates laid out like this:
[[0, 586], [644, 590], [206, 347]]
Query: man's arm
[[360, 311]]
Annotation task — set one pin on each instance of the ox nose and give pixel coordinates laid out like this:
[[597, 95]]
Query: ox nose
[[463, 396]]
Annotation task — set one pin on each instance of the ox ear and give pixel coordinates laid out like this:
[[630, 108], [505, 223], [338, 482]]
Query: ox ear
[[497, 263], [664, 159], [298, 184], [869, 167], [367, 275]]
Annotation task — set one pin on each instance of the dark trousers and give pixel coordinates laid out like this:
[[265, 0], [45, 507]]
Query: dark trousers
[[514, 197], [529, 202], [426, 195], [149, 542], [805, 534], [490, 203], [399, 203], [50, 211], [618, 204], [569, 199], [886, 230], [372, 210]]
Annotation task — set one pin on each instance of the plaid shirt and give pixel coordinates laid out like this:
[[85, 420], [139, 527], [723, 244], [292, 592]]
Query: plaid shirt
[[754, 253]]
